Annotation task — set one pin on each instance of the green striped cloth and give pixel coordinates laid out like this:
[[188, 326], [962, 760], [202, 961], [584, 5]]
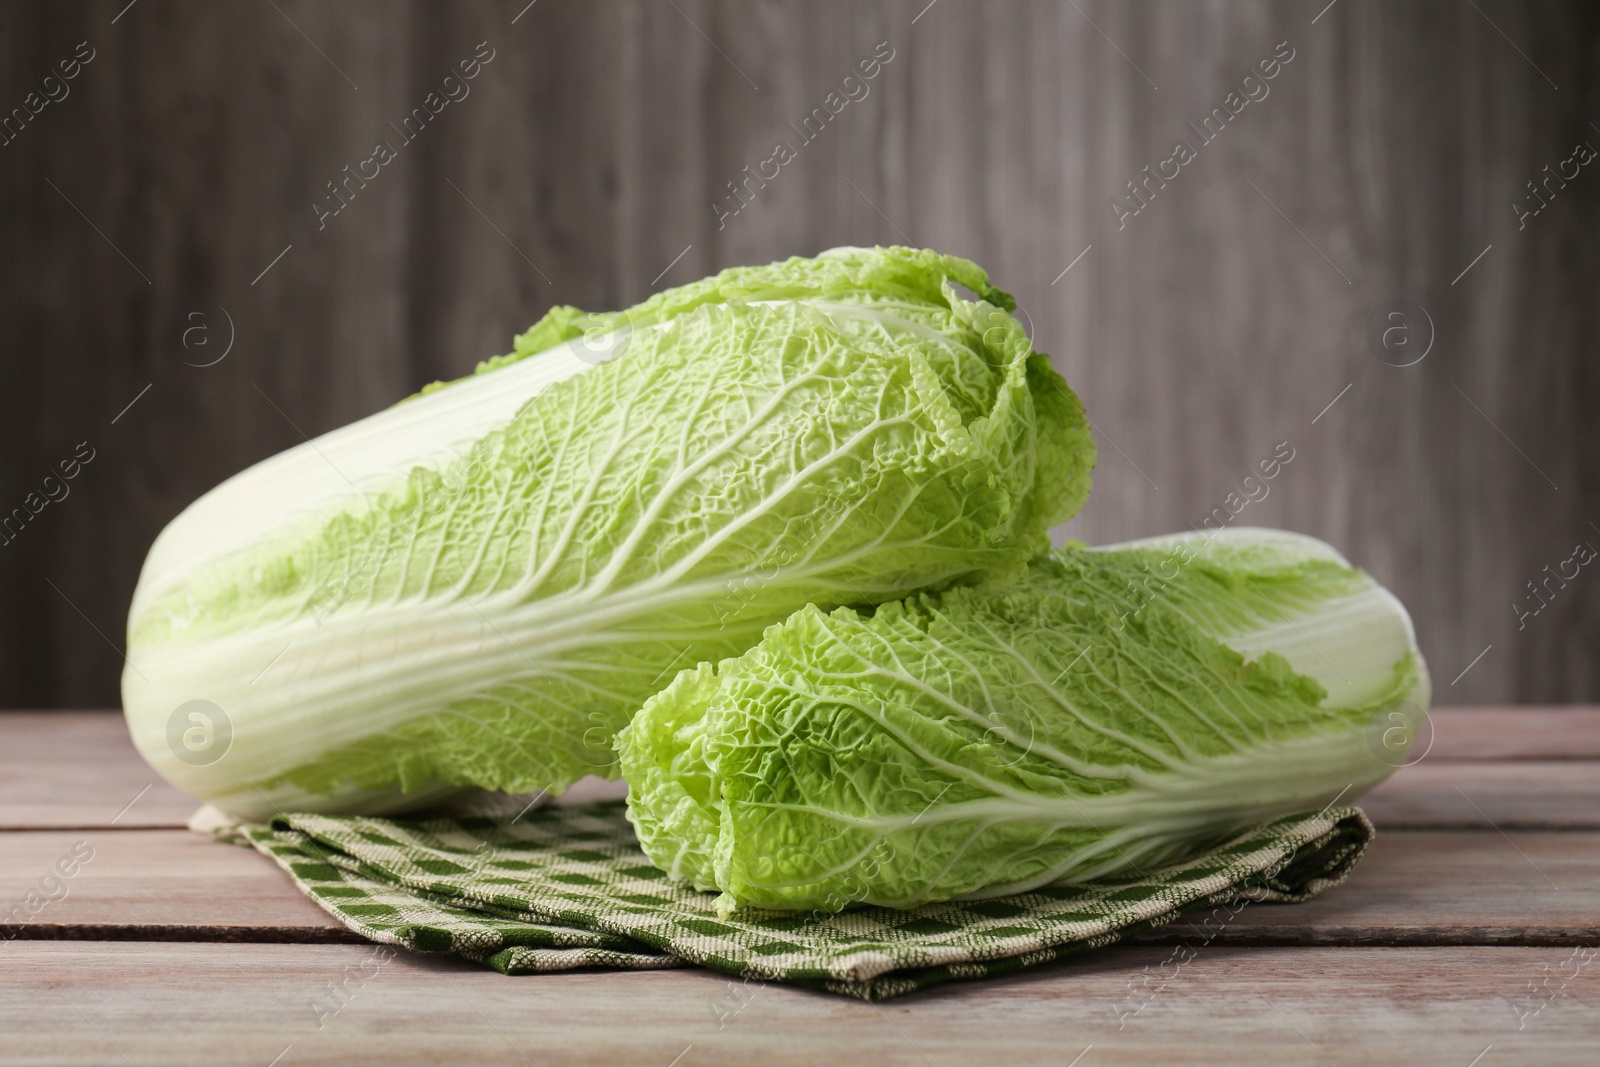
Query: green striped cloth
[[566, 886]]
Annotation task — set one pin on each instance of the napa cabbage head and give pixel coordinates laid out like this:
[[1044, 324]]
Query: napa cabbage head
[[1112, 711], [478, 586]]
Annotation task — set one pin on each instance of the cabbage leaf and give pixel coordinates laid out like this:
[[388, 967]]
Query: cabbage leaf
[[1114, 710], [478, 586]]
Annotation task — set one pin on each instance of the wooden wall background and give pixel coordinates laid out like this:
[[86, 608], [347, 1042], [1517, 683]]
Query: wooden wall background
[[583, 165]]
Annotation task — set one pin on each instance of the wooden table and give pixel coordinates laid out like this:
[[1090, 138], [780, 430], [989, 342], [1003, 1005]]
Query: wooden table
[[1466, 938]]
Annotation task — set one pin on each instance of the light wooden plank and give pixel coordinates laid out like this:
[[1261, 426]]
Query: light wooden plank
[[1449, 887], [1506, 794], [1537, 732], [86, 1002], [149, 883], [79, 768], [1412, 887]]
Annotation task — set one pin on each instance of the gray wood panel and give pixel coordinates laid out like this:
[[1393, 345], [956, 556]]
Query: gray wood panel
[[94, 1002], [1412, 887], [1217, 322]]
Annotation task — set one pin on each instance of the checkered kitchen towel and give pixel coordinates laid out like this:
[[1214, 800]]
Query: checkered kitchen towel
[[566, 886]]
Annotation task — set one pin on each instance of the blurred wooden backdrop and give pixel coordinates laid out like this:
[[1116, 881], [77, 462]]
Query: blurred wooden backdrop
[[186, 157]]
